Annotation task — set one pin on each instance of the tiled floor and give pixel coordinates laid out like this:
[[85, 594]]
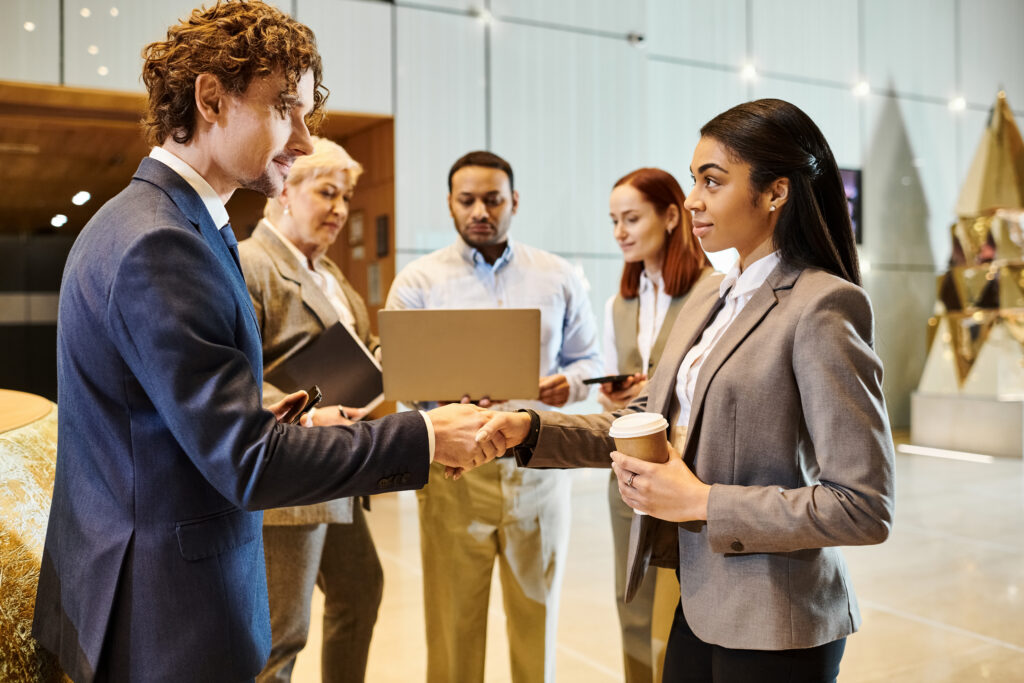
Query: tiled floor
[[942, 600]]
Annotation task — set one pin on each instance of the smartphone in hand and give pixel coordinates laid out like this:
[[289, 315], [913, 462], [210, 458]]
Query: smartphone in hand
[[312, 399], [616, 380]]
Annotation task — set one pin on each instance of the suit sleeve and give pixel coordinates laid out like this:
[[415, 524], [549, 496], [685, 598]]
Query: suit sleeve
[[176, 324], [847, 433], [570, 441]]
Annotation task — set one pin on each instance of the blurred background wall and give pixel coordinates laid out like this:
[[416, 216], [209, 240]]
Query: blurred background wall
[[575, 93]]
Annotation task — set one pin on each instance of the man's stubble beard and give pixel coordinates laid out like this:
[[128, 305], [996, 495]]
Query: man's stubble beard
[[264, 184]]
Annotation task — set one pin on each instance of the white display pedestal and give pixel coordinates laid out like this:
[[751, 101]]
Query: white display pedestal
[[974, 424]]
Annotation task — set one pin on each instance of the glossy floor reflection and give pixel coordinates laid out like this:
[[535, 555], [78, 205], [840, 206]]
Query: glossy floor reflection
[[942, 600]]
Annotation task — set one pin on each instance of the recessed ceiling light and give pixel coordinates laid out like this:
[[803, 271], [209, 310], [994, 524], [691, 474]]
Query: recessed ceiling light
[[748, 72], [29, 26], [94, 50], [58, 220], [80, 198], [114, 12], [957, 104], [18, 148], [85, 13], [862, 89], [103, 71]]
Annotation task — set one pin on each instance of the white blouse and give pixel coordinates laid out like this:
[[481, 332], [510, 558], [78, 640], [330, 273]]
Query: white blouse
[[737, 288], [654, 303]]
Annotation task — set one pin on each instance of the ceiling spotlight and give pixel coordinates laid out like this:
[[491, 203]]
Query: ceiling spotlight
[[748, 72], [29, 26], [93, 50], [103, 71], [485, 17], [85, 12], [81, 198], [957, 104], [114, 12], [862, 89], [59, 220]]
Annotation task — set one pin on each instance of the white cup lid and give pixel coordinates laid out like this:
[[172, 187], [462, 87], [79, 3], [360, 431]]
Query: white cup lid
[[637, 424]]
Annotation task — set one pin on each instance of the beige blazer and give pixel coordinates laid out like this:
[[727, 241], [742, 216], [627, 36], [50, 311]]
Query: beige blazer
[[789, 425], [292, 311]]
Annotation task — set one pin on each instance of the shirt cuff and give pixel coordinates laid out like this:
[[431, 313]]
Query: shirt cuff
[[430, 433]]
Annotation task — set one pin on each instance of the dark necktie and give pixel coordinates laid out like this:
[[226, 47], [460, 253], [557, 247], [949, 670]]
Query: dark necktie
[[229, 239]]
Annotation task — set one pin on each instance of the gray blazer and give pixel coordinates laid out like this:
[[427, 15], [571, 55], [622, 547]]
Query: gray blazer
[[292, 311], [789, 425]]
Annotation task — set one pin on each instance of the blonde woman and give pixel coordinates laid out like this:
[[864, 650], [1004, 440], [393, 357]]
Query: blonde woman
[[298, 293]]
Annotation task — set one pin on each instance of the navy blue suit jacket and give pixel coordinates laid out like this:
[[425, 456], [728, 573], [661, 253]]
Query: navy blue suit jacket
[[153, 565]]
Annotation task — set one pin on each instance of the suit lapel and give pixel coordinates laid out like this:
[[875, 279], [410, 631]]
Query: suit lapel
[[761, 303], [186, 199], [676, 349], [284, 261]]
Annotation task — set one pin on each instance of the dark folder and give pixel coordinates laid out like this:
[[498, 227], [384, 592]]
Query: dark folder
[[339, 364]]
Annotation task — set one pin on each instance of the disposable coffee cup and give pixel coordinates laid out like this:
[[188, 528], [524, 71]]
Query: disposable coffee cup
[[641, 435]]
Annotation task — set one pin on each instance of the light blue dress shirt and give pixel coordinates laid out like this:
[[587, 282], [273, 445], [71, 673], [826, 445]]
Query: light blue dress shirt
[[458, 276]]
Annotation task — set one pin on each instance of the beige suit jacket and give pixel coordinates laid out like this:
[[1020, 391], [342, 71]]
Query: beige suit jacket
[[789, 425], [292, 311]]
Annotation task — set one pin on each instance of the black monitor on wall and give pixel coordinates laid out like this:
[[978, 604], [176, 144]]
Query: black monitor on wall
[[851, 184]]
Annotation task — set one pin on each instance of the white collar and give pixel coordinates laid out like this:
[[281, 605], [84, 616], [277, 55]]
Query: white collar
[[753, 276], [647, 282], [212, 202]]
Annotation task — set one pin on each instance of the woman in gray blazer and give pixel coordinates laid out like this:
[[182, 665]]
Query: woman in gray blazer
[[663, 262], [782, 448], [298, 293]]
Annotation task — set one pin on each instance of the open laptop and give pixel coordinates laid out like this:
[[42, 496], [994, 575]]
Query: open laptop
[[442, 355]]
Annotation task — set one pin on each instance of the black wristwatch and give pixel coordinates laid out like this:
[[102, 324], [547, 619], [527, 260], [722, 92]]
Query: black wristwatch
[[530, 442]]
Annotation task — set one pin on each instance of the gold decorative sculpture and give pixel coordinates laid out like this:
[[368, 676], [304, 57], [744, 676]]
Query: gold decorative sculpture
[[981, 297]]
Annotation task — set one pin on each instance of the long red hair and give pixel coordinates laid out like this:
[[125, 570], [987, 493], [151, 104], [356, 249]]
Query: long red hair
[[684, 259]]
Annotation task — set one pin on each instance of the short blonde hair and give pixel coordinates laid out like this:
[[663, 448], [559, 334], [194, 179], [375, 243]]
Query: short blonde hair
[[327, 157]]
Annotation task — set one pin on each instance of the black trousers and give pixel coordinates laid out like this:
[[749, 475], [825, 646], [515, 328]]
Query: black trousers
[[689, 659]]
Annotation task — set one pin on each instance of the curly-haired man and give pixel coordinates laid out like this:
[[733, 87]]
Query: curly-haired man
[[153, 567]]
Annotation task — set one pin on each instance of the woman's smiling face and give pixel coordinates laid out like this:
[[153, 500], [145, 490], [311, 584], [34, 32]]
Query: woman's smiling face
[[726, 210], [636, 225]]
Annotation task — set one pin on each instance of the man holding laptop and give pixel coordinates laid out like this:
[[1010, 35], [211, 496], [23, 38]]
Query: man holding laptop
[[520, 516]]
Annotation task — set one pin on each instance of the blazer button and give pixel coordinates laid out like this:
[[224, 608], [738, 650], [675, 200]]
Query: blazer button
[[382, 484], [737, 546]]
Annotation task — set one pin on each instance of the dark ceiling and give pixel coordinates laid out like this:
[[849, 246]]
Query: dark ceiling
[[56, 141]]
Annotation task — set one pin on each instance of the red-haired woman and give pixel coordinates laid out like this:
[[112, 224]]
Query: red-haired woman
[[663, 262]]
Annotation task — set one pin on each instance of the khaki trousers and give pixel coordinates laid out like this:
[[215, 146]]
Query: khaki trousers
[[342, 560], [646, 620], [519, 516]]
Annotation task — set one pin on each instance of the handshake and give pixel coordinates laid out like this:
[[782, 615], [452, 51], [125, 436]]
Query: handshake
[[467, 436]]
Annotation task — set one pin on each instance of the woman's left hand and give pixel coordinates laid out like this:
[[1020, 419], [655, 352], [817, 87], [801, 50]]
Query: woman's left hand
[[668, 491]]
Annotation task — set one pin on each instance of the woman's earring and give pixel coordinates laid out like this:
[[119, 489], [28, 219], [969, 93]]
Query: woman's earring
[[288, 211], [770, 208]]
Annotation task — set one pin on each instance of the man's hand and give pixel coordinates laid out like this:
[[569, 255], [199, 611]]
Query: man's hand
[[285, 409], [455, 437], [554, 390]]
